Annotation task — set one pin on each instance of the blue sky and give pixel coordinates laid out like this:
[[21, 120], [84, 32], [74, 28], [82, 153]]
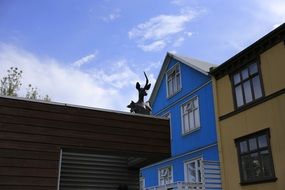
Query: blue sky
[[92, 52]]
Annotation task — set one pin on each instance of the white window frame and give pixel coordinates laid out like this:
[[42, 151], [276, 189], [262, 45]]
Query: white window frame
[[142, 183], [197, 125], [168, 115], [186, 173], [171, 173], [175, 68]]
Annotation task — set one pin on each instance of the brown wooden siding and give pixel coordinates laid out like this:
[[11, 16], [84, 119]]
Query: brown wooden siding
[[32, 134]]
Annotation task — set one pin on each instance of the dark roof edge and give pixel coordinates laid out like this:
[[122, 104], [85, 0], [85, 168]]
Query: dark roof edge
[[80, 107], [253, 47]]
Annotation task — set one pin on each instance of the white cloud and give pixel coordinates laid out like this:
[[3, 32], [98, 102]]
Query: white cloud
[[272, 11], [112, 16], [178, 42], [119, 75], [154, 46], [275, 7], [178, 2], [189, 34], [84, 60], [152, 66], [157, 32], [111, 88]]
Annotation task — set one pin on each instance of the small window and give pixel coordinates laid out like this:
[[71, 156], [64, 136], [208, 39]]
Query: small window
[[255, 159], [190, 116], [247, 85], [193, 171], [165, 175], [173, 80]]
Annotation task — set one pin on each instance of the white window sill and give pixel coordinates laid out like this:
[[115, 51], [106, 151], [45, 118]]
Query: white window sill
[[168, 97], [191, 131]]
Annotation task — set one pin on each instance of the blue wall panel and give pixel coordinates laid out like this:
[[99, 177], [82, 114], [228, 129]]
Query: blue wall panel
[[190, 80], [151, 173], [199, 143]]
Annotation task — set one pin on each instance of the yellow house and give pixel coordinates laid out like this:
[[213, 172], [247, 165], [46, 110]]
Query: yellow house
[[249, 92]]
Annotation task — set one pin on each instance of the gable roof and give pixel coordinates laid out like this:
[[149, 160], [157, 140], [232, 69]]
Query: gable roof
[[201, 66]]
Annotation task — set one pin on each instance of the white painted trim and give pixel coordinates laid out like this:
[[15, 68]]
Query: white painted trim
[[183, 133], [190, 64], [143, 182], [158, 172], [194, 160], [59, 169], [181, 155]]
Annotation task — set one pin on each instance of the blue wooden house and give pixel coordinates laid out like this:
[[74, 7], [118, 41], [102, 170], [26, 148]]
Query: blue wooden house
[[183, 93]]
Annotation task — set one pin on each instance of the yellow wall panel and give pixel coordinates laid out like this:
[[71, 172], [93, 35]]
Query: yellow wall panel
[[267, 115], [225, 98], [273, 67]]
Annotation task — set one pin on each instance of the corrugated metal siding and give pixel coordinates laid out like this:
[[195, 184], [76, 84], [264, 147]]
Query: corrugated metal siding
[[84, 171]]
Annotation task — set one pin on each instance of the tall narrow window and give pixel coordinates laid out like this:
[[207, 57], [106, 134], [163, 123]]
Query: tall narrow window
[[165, 175], [190, 116], [173, 80], [193, 171], [247, 85], [255, 159]]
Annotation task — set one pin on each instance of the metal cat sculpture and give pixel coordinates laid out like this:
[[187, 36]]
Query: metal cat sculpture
[[140, 106]]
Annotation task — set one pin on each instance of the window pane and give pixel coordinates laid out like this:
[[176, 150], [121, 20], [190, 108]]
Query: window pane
[[256, 165], [186, 107], [190, 106], [197, 118], [244, 74], [165, 175], [247, 91], [243, 147], [253, 68], [239, 96], [262, 141], [245, 166], [170, 91], [251, 167], [256, 87], [178, 81], [266, 163], [199, 171], [252, 144], [186, 123], [174, 85], [191, 172], [191, 120], [236, 78], [196, 102]]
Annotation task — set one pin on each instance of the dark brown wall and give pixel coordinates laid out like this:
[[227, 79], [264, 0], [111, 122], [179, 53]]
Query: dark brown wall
[[32, 134]]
